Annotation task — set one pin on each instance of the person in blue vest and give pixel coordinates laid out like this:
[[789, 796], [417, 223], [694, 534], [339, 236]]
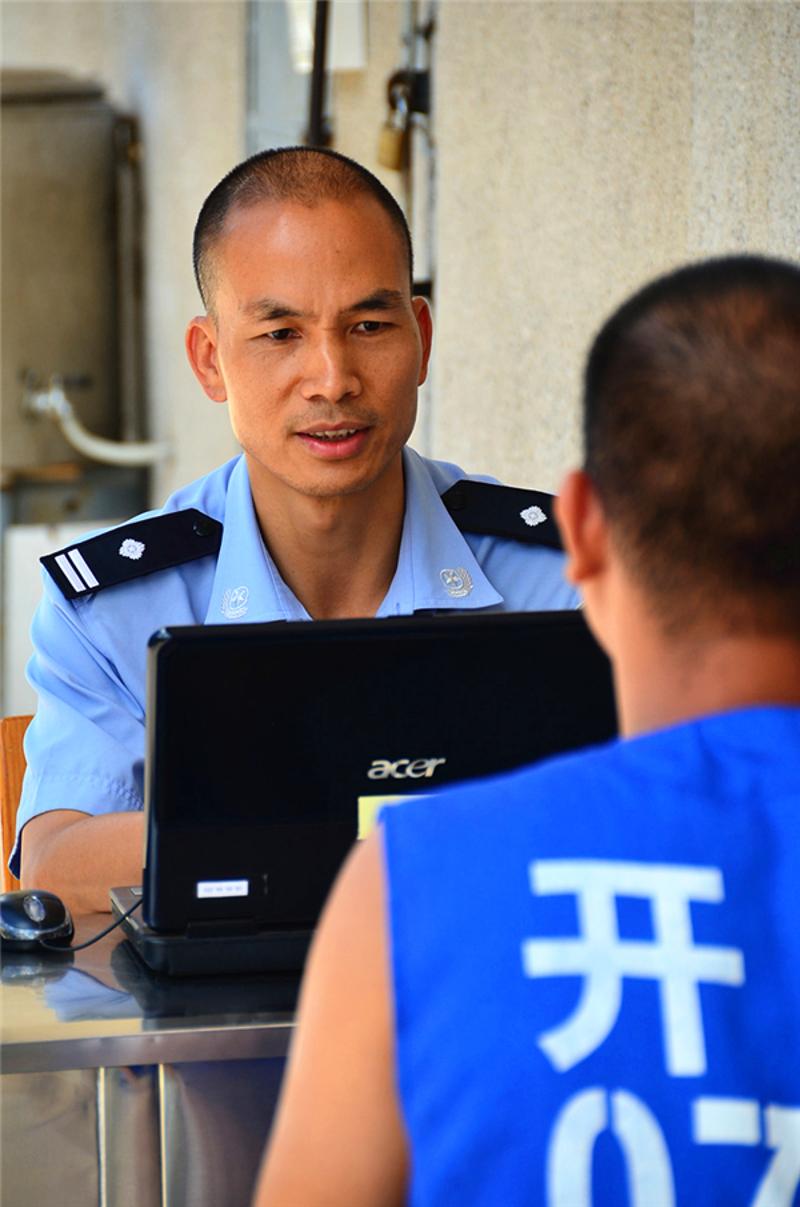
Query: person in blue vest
[[312, 337], [579, 984]]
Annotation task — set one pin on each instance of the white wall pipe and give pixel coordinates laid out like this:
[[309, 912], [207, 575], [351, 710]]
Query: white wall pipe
[[54, 404]]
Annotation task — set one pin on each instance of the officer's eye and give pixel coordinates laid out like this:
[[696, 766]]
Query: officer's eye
[[281, 335], [370, 326]]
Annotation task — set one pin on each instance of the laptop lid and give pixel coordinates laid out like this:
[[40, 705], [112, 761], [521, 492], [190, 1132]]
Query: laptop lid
[[268, 744]]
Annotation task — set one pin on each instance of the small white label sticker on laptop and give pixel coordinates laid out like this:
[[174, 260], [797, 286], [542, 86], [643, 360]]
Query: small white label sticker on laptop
[[223, 888]]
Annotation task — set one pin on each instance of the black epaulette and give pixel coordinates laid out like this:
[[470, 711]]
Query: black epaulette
[[141, 547], [507, 511]]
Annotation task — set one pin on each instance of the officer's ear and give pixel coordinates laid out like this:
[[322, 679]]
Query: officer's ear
[[201, 348], [422, 313], [584, 529]]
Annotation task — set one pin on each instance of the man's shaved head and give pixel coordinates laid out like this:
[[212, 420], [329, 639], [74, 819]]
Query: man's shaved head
[[692, 420], [692, 430], [304, 175]]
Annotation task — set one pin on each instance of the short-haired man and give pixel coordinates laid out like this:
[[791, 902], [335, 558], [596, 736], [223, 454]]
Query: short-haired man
[[313, 338], [580, 983]]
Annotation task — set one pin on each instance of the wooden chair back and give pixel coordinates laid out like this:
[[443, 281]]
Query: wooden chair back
[[12, 769]]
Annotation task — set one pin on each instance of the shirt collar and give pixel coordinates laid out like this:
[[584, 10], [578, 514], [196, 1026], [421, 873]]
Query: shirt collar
[[436, 569], [247, 585]]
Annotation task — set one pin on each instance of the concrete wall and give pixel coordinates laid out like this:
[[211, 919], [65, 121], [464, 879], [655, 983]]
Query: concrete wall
[[180, 67], [582, 148], [359, 97]]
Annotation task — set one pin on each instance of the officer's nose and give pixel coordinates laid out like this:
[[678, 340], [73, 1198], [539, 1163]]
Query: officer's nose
[[330, 370]]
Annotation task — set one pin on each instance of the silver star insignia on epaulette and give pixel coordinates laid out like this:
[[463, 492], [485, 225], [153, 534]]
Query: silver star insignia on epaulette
[[132, 549]]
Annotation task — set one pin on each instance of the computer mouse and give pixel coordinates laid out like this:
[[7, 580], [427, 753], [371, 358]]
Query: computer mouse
[[32, 919]]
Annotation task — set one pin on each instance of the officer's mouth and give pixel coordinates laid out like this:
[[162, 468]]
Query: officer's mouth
[[335, 441]]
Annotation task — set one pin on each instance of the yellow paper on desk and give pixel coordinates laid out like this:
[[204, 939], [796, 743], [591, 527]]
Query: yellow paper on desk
[[370, 806]]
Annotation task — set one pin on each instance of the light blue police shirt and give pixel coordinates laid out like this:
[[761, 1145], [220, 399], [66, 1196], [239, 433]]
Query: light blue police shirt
[[85, 746]]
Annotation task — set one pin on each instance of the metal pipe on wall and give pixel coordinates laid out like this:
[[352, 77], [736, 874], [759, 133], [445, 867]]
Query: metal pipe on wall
[[319, 133]]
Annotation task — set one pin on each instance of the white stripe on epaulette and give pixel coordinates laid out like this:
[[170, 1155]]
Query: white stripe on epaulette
[[79, 562]]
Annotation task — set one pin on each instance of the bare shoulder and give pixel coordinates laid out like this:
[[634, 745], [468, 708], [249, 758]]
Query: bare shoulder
[[347, 973], [355, 909], [339, 1136]]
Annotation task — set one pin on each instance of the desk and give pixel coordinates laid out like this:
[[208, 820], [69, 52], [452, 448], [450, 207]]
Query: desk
[[125, 1090]]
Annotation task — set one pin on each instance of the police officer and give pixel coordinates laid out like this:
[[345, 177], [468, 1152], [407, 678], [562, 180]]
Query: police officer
[[312, 337], [580, 983]]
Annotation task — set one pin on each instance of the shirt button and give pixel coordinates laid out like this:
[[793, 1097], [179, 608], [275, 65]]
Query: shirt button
[[202, 526]]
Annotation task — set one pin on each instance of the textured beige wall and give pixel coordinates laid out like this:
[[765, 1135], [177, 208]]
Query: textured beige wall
[[745, 169], [189, 88], [581, 148], [178, 65], [584, 147], [359, 97]]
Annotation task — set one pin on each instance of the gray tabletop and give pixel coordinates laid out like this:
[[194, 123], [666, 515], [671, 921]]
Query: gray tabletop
[[102, 1008]]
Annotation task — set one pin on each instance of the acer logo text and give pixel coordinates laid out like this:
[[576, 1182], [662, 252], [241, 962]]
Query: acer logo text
[[403, 769]]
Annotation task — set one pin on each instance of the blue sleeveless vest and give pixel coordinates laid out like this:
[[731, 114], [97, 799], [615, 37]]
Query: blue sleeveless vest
[[596, 969]]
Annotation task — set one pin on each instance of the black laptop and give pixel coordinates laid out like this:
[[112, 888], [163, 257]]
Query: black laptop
[[270, 749]]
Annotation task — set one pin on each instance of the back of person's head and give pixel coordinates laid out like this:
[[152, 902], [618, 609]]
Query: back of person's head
[[692, 434], [305, 175]]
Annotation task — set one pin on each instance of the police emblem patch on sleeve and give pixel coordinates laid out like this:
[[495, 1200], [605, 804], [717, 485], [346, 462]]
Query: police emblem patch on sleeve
[[141, 547]]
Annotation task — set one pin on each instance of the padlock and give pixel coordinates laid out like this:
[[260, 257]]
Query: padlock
[[393, 136]]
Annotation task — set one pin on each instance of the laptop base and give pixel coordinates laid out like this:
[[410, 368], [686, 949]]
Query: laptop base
[[176, 954]]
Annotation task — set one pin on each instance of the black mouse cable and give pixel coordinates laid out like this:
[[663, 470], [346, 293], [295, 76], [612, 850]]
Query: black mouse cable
[[96, 938]]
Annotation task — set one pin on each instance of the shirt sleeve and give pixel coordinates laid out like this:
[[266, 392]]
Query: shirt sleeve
[[529, 577], [85, 746]]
